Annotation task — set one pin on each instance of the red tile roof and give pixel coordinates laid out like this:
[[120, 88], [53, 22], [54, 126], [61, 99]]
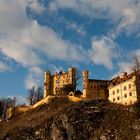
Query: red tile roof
[[120, 79]]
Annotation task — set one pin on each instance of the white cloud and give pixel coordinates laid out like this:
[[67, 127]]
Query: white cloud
[[128, 65], [12, 15], [74, 26], [56, 69], [33, 78], [125, 67], [92, 8], [36, 6], [20, 100], [103, 51], [21, 54], [136, 53], [22, 39], [125, 14], [4, 67], [31, 81], [42, 39]]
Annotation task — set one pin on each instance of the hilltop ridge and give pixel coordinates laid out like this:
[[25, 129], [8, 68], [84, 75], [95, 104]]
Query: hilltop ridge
[[62, 119]]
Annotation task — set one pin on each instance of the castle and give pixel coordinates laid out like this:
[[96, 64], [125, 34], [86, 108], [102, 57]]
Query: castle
[[93, 88], [123, 89], [59, 83]]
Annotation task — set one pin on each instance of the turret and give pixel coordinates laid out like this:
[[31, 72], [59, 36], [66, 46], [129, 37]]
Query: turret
[[85, 79], [72, 74], [47, 83]]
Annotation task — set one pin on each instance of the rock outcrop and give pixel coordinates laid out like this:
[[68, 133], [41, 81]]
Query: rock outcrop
[[86, 120]]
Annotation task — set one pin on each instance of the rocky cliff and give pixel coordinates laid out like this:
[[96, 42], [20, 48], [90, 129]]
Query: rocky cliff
[[65, 120]]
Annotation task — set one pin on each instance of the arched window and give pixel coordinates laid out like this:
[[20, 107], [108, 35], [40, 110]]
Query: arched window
[[113, 92], [118, 98], [129, 86], [125, 88], [125, 95]]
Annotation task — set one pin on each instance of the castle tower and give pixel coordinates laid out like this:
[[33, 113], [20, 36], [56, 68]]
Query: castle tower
[[72, 76], [85, 79], [85, 83], [48, 84]]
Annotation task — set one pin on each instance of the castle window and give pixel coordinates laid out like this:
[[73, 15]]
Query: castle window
[[118, 98], [113, 92], [117, 90], [91, 87], [125, 103], [125, 95], [130, 102], [95, 87], [130, 94], [129, 86], [113, 99], [124, 87]]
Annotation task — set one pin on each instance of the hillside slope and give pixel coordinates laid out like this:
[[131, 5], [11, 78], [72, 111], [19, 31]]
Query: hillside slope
[[62, 119]]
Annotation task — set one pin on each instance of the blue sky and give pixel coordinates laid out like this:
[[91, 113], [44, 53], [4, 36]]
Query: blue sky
[[35, 35]]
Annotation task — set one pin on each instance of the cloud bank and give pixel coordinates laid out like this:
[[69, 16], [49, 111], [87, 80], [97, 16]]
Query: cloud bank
[[26, 42]]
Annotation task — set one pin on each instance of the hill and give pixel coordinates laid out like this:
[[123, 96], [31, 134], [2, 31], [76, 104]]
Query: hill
[[62, 119]]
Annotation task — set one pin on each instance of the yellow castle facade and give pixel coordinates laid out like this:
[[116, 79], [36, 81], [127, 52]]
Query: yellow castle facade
[[60, 83], [93, 88], [125, 88]]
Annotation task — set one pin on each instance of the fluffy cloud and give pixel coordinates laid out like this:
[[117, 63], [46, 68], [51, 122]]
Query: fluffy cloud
[[36, 39], [128, 65], [125, 14], [136, 53], [20, 100], [103, 51], [42, 39], [34, 77], [22, 39], [3, 67], [88, 6], [74, 26], [12, 15], [36, 6]]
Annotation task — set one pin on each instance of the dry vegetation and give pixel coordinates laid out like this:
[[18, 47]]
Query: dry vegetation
[[33, 118], [63, 119]]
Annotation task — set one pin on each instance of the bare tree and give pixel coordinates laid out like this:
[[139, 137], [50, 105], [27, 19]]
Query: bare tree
[[39, 93], [6, 103], [31, 95], [136, 63], [35, 94]]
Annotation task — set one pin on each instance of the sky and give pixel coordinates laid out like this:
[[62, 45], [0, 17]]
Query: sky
[[102, 36]]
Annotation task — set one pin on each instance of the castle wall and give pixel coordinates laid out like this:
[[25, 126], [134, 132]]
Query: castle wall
[[124, 93], [96, 89]]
